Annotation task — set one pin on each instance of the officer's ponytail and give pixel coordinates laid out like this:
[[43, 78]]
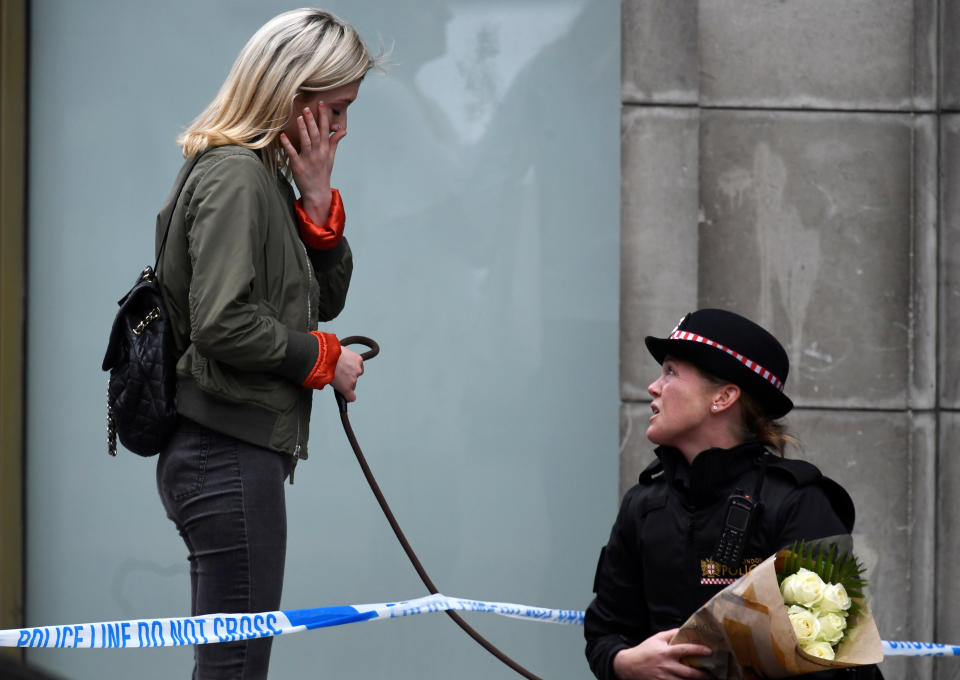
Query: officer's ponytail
[[761, 427]]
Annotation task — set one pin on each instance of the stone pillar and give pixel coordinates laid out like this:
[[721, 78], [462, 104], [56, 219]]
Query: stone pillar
[[796, 161]]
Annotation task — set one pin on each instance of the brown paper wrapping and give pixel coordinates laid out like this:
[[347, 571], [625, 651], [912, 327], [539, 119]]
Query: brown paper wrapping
[[746, 626]]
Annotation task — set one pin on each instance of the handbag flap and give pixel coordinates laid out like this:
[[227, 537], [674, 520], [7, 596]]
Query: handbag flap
[[134, 307]]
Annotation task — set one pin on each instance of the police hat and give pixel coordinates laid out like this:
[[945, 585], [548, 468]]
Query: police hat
[[732, 348]]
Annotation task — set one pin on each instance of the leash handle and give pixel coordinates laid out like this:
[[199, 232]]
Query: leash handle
[[374, 350]]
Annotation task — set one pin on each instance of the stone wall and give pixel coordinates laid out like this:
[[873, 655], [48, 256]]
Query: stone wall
[[798, 161]]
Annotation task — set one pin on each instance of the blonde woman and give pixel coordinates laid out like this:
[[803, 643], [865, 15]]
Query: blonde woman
[[247, 272], [715, 418]]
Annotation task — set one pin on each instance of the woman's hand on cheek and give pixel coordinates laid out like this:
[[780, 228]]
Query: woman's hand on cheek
[[312, 164], [656, 659]]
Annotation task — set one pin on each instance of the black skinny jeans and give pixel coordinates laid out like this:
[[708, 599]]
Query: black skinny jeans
[[226, 498]]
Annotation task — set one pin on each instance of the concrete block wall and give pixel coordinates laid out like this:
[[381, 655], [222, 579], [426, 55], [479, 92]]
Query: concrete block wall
[[798, 161]]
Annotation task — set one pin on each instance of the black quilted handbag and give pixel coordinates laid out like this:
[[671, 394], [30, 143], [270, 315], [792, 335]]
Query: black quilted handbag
[[142, 389], [141, 358]]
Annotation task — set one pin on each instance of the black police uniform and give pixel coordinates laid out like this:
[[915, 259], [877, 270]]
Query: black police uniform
[[657, 568]]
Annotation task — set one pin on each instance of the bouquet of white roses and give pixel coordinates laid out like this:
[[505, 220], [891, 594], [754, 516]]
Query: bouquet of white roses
[[820, 592], [753, 631]]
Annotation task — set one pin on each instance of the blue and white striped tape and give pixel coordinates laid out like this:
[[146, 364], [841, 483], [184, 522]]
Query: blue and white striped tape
[[198, 630], [900, 648]]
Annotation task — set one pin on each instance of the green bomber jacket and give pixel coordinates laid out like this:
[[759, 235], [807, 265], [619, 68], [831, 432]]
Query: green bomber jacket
[[243, 293]]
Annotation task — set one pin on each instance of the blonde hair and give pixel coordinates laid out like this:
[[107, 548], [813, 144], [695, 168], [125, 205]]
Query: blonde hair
[[304, 50]]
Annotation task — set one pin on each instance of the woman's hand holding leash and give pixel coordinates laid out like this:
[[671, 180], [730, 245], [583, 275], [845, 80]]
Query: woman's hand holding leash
[[349, 369]]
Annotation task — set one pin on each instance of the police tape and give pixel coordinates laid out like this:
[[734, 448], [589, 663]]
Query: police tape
[[210, 628], [901, 648]]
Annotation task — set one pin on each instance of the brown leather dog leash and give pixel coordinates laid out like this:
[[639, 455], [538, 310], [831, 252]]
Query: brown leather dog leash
[[342, 404]]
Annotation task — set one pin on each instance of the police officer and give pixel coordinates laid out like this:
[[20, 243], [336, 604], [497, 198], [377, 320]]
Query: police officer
[[714, 418]]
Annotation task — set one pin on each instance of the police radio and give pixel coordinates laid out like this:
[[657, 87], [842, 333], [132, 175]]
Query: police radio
[[737, 526]]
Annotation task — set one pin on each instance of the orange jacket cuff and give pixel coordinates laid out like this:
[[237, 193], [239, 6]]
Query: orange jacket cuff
[[327, 235], [326, 365]]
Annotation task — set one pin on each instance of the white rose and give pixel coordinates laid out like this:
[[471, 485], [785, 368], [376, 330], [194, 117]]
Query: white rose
[[803, 588], [806, 625], [832, 626], [822, 650], [834, 598]]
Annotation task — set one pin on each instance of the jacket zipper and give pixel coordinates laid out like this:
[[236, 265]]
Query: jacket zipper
[[306, 258]]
